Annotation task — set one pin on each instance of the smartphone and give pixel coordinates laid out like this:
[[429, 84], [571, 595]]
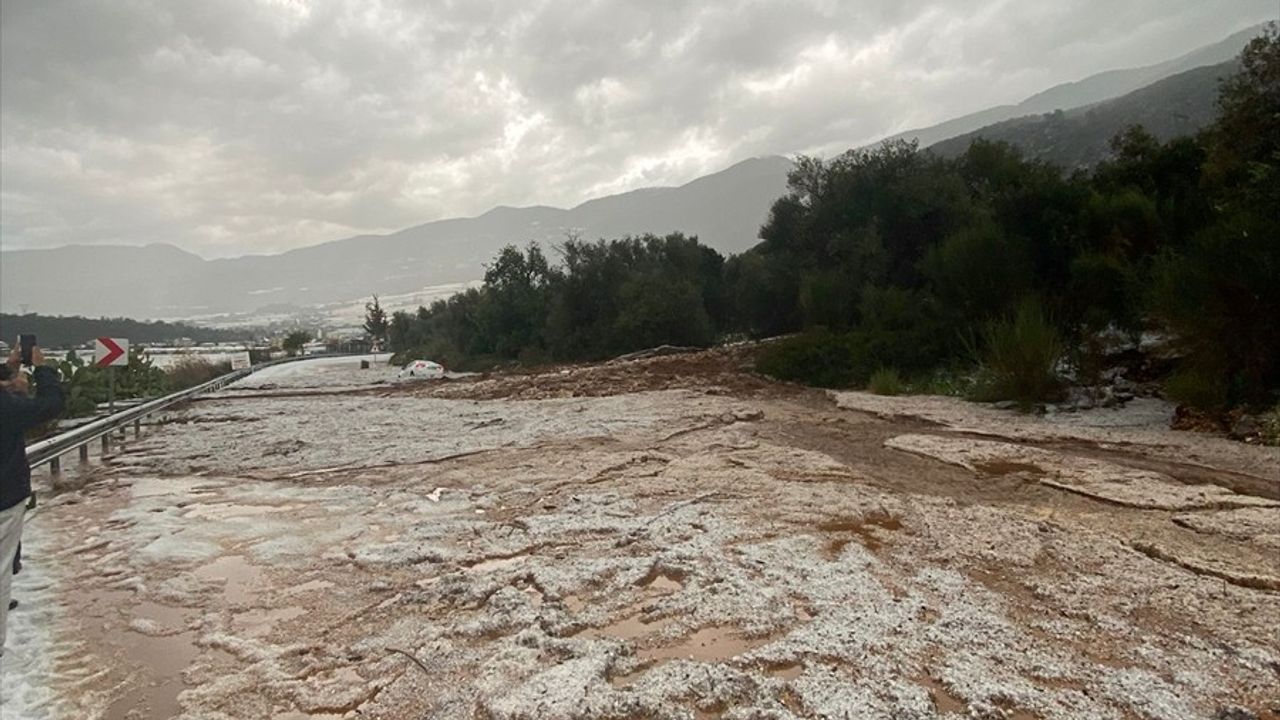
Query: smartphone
[[26, 342]]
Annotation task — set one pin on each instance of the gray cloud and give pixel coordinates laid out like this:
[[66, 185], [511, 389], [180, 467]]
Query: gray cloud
[[256, 126]]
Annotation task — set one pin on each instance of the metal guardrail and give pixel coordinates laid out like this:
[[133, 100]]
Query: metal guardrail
[[52, 449]]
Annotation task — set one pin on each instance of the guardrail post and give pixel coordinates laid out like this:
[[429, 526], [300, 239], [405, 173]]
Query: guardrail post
[[84, 453], [106, 443], [55, 466], [137, 428]]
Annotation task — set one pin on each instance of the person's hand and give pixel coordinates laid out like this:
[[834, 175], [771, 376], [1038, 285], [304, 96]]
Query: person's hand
[[37, 356], [15, 359]]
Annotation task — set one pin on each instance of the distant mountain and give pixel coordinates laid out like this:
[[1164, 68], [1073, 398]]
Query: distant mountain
[[1088, 91], [1177, 105], [725, 210], [94, 280]]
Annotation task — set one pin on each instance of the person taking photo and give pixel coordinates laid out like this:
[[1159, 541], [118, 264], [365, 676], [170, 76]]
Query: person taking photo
[[19, 412]]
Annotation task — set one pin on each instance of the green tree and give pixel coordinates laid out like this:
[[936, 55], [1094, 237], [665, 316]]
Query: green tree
[[375, 322], [294, 341], [1221, 295]]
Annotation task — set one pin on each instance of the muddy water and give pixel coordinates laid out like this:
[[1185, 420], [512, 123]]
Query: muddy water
[[711, 644], [260, 622], [628, 628], [863, 528], [943, 700], [157, 657], [785, 671], [239, 576], [664, 582]]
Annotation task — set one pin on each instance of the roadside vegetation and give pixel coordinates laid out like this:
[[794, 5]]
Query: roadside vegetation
[[87, 385], [988, 275]]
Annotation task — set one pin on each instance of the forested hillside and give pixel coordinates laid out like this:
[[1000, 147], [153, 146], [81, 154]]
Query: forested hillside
[[989, 265], [66, 332], [1080, 138]]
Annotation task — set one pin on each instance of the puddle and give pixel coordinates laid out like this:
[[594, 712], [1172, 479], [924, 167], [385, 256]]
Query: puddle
[[943, 700], [864, 529], [307, 587], [259, 622], [666, 582], [162, 659], [237, 573], [785, 671], [628, 628], [711, 644], [169, 619]]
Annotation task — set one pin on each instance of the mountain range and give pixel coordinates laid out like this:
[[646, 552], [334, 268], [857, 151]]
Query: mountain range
[[1069, 124]]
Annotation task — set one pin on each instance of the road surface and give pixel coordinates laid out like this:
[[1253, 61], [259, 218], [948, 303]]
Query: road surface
[[662, 538]]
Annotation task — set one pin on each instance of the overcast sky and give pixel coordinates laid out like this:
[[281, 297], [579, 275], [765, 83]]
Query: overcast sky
[[241, 126]]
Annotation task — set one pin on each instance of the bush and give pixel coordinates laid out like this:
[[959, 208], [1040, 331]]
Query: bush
[[944, 382], [885, 381], [1220, 297], [1200, 389], [819, 357], [1270, 422], [193, 371], [1019, 358], [1102, 291]]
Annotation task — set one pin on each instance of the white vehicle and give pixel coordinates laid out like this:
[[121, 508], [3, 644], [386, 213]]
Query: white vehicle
[[422, 369]]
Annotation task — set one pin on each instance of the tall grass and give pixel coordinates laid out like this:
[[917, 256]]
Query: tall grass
[[193, 371], [885, 381], [1018, 357]]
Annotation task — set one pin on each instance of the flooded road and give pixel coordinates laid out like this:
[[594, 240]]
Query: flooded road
[[670, 538]]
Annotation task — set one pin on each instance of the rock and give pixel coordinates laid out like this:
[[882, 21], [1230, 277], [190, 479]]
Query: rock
[[1232, 712], [1005, 405], [1111, 340], [1245, 426], [1159, 345], [1109, 398]]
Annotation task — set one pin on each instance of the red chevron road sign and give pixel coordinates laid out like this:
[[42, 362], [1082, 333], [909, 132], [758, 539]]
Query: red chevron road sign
[[110, 351]]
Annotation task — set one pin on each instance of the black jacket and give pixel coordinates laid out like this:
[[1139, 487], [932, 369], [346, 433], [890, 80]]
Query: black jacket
[[19, 413]]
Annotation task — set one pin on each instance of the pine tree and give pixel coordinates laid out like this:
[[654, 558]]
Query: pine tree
[[375, 323]]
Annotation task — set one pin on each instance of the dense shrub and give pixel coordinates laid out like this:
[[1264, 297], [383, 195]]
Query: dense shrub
[[1202, 389], [1019, 357], [1103, 290], [820, 358], [1270, 422], [1221, 297], [885, 381], [193, 371]]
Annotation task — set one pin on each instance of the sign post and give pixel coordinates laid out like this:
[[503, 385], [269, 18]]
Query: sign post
[[109, 353]]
